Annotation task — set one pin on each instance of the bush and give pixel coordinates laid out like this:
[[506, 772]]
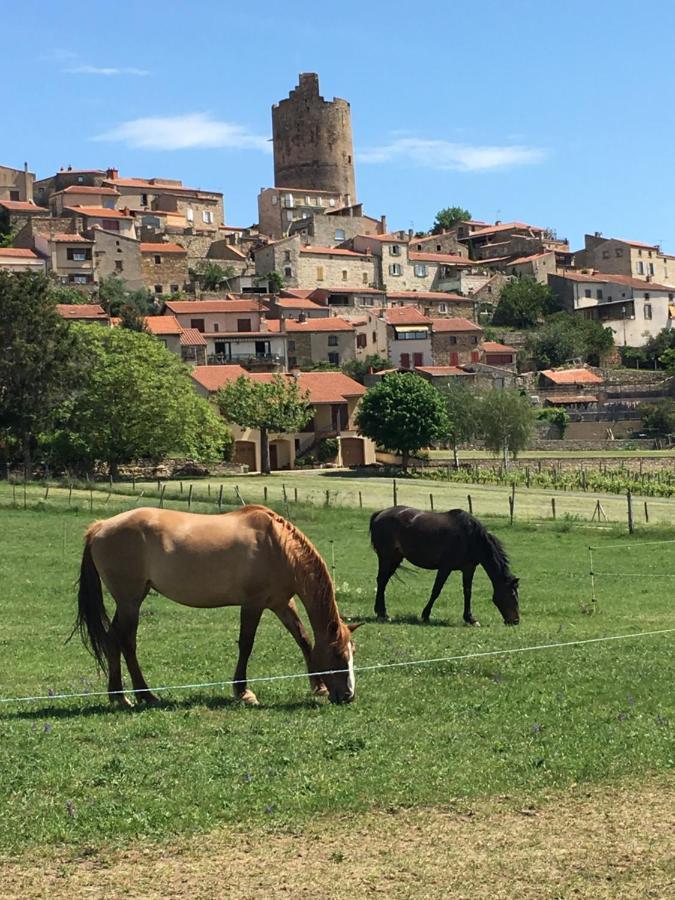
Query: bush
[[659, 417], [557, 415], [327, 450]]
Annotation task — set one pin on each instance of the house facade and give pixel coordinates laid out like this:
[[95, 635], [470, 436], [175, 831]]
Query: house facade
[[164, 267], [455, 341], [312, 340], [633, 259]]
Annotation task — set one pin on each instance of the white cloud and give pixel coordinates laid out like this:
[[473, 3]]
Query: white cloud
[[183, 132], [437, 154], [102, 70]]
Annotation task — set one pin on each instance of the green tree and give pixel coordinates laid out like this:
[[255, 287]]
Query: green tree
[[558, 415], [659, 416], [359, 368], [505, 422], [137, 401], [213, 276], [403, 413], [564, 337], [275, 280], [667, 360], [523, 303], [113, 295], [38, 360], [446, 218], [462, 407], [62, 293], [131, 318], [275, 406]]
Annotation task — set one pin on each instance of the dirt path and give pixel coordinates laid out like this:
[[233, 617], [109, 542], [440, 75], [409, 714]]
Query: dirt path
[[589, 843]]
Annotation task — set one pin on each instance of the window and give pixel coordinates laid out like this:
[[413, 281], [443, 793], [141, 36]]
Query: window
[[207, 217], [79, 279], [364, 278], [405, 360], [332, 340], [158, 260], [647, 309], [119, 265], [216, 327], [395, 269], [189, 214], [367, 301], [374, 336], [331, 202], [452, 339], [646, 296], [174, 290], [291, 345], [639, 252], [275, 199], [473, 339], [14, 196], [78, 255], [420, 270], [289, 203], [361, 341], [641, 267], [80, 179], [418, 359], [334, 359], [340, 234], [244, 325], [605, 254], [598, 293], [197, 324], [288, 272], [587, 292], [442, 307], [287, 255], [159, 289], [144, 199], [320, 273], [619, 251], [289, 215], [345, 273], [651, 268], [395, 250]]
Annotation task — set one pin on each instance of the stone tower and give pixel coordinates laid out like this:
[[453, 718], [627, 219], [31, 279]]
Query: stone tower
[[313, 141]]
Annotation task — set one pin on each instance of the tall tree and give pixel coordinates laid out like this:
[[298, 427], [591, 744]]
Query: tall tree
[[38, 362], [114, 295], [523, 303], [446, 218], [505, 422], [214, 276], [403, 413], [462, 409], [564, 337], [359, 368], [138, 401], [275, 406]]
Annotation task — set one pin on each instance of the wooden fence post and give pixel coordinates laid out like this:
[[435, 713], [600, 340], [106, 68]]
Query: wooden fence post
[[283, 490], [629, 500], [295, 495], [553, 507], [220, 498], [394, 491], [646, 513], [468, 497], [360, 500], [190, 497], [161, 496], [265, 493], [91, 498], [327, 497], [431, 501]]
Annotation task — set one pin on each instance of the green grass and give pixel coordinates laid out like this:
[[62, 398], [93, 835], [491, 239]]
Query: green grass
[[560, 454], [79, 773]]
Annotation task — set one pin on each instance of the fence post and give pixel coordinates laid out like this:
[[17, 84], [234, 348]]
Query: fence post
[[646, 513], [181, 487], [133, 482], [91, 498], [431, 501], [190, 497], [46, 491], [553, 507], [159, 486], [220, 498], [295, 495], [25, 499], [468, 497], [265, 493], [360, 500], [629, 500], [394, 491], [208, 489], [161, 496], [283, 491], [327, 497]]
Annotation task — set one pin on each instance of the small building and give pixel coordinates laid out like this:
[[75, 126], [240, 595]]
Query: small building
[[18, 259], [167, 330], [83, 312], [69, 256], [296, 308], [99, 216], [455, 341], [16, 184], [164, 267], [82, 195], [501, 355], [634, 259], [311, 340], [573, 388], [435, 303], [279, 208], [116, 254], [408, 334], [14, 214]]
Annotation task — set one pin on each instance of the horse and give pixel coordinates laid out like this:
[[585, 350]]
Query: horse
[[251, 558], [444, 541]]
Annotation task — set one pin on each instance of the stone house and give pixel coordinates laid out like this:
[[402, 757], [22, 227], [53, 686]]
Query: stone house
[[102, 217], [164, 267], [186, 207], [334, 398], [348, 299], [455, 342], [45, 187], [116, 254], [279, 207], [499, 355], [445, 242], [537, 266], [16, 184], [82, 195], [19, 259], [308, 266], [167, 329], [631, 258], [296, 308], [512, 239], [70, 257], [573, 388], [311, 340], [15, 214], [408, 337], [434, 303]]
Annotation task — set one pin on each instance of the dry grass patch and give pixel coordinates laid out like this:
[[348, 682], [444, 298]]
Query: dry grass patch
[[600, 842]]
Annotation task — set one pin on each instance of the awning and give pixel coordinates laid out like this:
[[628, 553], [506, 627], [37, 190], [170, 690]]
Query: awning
[[564, 399], [422, 329]]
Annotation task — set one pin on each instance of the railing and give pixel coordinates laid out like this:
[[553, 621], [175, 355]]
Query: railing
[[221, 359]]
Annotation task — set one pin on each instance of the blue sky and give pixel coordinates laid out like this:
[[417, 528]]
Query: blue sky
[[559, 114]]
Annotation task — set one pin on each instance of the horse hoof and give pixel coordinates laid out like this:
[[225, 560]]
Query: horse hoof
[[474, 624], [248, 698], [148, 699], [384, 618], [121, 702]]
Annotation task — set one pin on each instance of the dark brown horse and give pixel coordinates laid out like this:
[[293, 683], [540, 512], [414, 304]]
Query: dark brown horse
[[443, 541]]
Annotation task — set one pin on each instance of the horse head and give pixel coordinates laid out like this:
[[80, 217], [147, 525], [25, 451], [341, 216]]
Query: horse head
[[505, 598], [335, 656]]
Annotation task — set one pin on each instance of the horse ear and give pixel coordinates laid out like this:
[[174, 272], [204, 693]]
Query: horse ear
[[515, 582], [354, 626], [333, 631]]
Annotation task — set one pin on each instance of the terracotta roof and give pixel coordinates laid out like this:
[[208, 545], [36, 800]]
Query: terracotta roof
[[61, 237], [154, 185], [333, 323], [527, 259], [454, 324], [494, 347], [441, 258], [22, 206], [405, 315], [97, 212], [627, 280], [214, 377], [182, 307], [426, 295], [635, 243], [162, 248], [81, 311], [572, 376], [347, 290], [440, 371], [82, 189], [296, 292], [298, 303], [323, 387], [17, 253], [505, 226], [190, 337], [163, 325], [389, 238], [331, 251]]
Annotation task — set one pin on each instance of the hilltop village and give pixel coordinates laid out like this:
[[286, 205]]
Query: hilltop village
[[323, 290]]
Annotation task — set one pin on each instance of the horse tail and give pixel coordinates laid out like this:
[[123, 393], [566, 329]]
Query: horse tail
[[92, 619], [372, 527]]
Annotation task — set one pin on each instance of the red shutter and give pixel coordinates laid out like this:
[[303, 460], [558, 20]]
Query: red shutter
[[475, 356], [418, 359], [405, 360], [454, 359]]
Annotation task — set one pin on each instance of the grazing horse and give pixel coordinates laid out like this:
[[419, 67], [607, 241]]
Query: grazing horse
[[442, 541], [251, 558]]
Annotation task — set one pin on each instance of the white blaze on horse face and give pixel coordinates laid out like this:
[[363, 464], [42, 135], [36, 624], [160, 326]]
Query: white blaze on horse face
[[351, 680]]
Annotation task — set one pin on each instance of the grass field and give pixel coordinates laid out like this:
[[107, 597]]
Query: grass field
[[524, 725]]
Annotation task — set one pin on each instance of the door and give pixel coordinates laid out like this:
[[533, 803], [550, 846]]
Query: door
[[405, 360], [274, 457], [352, 452], [339, 416], [454, 358], [475, 356], [262, 348], [418, 359], [224, 349], [244, 453]]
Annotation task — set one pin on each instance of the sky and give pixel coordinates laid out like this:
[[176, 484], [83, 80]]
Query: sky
[[556, 114]]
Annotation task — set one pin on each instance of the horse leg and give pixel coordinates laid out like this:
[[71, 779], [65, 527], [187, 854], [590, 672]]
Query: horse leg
[[290, 618], [386, 568], [127, 631], [441, 578], [248, 625], [467, 582], [114, 654]]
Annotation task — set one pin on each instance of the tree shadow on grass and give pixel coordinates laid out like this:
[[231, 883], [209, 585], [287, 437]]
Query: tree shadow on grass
[[407, 620]]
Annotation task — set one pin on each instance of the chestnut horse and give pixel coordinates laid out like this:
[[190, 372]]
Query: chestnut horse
[[252, 558]]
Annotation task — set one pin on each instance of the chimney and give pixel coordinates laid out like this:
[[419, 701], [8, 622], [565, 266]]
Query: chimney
[[410, 234], [302, 317], [69, 169], [383, 224], [112, 174]]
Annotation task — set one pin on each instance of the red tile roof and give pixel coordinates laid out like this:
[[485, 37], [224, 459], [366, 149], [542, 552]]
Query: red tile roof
[[190, 337], [505, 226], [212, 378], [82, 189], [635, 244], [163, 325], [323, 387], [17, 253], [196, 307], [81, 311], [62, 237], [494, 347], [97, 212], [572, 376], [627, 280], [156, 185], [296, 292], [440, 371], [163, 248], [298, 303], [405, 315], [332, 323], [426, 295], [389, 238], [454, 324], [331, 251], [529, 259], [444, 258], [346, 290], [22, 206]]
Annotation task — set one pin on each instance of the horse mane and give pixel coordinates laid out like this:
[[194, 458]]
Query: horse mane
[[308, 566], [494, 549]]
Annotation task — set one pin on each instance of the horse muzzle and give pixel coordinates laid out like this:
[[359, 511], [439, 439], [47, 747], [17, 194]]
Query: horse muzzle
[[342, 698]]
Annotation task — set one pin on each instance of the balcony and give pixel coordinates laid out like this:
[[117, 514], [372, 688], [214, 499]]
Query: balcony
[[247, 360]]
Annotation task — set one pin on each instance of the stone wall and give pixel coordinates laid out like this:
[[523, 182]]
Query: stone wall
[[443, 349], [171, 274]]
